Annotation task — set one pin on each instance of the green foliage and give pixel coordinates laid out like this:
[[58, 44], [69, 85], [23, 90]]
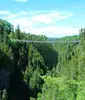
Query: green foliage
[[17, 33], [5, 62], [5, 26], [63, 66], [35, 80], [58, 89], [29, 36], [81, 91], [48, 53], [33, 77], [23, 56], [34, 58], [62, 89], [4, 96], [69, 38], [71, 66]]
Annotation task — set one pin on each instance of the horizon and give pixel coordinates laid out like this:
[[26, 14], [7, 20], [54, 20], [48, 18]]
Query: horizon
[[62, 36], [49, 18]]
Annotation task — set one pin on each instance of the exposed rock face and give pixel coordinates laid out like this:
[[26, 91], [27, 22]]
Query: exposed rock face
[[4, 79]]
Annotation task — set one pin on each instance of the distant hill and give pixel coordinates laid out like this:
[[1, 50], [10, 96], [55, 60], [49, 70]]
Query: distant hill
[[66, 38], [70, 38]]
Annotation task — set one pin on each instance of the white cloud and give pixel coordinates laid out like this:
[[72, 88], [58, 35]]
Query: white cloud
[[21, 0], [16, 15], [51, 17], [24, 23], [42, 22], [42, 19], [4, 12], [54, 31]]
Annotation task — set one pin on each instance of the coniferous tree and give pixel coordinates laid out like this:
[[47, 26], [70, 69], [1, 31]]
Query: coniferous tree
[[4, 96], [17, 33]]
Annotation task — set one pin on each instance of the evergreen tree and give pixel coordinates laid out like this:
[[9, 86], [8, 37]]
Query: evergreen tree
[[4, 96], [17, 33]]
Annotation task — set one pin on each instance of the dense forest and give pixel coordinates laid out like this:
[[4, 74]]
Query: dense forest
[[70, 38], [40, 71], [66, 38]]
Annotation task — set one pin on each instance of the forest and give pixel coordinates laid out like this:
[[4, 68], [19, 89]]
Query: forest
[[40, 71]]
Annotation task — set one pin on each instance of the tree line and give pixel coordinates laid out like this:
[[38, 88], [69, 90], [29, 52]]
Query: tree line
[[41, 71], [26, 62]]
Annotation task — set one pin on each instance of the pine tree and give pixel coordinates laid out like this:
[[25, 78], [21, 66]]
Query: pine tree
[[17, 33], [4, 96]]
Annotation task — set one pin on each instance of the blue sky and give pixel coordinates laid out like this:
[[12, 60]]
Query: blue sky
[[53, 18]]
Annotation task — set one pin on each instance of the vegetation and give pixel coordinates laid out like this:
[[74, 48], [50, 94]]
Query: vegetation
[[70, 38], [40, 71]]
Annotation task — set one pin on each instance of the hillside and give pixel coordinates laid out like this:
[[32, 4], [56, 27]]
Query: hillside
[[40, 71]]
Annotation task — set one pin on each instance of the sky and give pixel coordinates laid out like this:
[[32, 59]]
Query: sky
[[53, 18]]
